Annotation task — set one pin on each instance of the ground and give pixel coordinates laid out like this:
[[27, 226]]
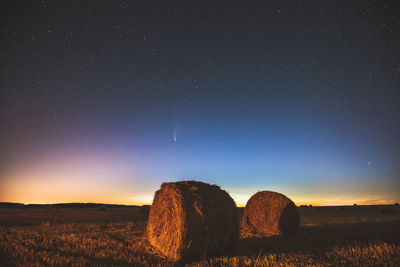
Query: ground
[[113, 235]]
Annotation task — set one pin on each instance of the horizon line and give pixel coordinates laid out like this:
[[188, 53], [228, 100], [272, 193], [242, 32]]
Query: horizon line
[[149, 204]]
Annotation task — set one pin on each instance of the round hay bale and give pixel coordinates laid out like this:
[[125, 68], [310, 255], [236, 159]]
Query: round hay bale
[[269, 213], [190, 219]]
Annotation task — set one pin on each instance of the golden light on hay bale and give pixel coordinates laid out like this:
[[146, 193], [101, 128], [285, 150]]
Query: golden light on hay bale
[[190, 219], [269, 213]]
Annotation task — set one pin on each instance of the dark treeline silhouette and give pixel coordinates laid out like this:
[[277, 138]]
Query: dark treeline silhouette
[[62, 205]]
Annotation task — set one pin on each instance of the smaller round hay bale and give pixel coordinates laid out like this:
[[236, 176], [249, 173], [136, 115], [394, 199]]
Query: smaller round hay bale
[[269, 213], [190, 219]]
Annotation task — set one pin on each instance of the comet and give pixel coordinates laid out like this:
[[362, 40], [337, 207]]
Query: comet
[[175, 134]]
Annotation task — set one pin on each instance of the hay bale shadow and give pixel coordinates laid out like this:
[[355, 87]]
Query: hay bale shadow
[[317, 239]]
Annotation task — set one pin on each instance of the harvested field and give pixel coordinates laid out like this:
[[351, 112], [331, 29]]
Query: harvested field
[[359, 235]]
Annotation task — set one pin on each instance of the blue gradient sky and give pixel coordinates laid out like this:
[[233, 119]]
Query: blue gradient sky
[[296, 98]]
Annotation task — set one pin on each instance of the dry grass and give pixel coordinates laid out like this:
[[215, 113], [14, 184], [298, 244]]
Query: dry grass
[[328, 236], [376, 254]]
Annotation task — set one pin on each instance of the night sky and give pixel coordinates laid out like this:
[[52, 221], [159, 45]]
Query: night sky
[[102, 101]]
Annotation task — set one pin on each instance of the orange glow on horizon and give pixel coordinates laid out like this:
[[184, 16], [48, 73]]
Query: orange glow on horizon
[[62, 191], [78, 182]]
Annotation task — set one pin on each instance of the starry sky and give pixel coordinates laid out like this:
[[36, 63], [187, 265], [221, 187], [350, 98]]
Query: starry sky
[[102, 101]]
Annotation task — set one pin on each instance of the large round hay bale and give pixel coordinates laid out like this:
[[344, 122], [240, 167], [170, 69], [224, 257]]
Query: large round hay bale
[[190, 219], [269, 213]]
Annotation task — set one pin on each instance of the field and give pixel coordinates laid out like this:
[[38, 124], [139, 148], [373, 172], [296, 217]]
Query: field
[[112, 235]]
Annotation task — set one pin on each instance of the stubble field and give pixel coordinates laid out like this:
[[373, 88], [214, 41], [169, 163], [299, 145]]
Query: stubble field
[[104, 235]]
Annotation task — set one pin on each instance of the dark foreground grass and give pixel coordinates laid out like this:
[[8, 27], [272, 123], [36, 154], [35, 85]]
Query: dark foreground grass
[[362, 235]]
